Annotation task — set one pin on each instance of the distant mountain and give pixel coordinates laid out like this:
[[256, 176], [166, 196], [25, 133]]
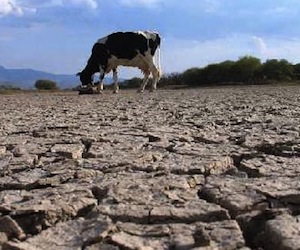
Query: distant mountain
[[26, 78]]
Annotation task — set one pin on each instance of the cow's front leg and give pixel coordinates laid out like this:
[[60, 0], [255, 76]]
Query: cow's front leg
[[116, 84], [101, 77]]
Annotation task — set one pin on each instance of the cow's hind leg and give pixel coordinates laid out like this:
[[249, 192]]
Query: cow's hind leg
[[145, 81], [116, 84], [156, 76]]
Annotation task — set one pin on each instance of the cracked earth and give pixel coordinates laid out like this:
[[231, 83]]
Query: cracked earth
[[209, 168]]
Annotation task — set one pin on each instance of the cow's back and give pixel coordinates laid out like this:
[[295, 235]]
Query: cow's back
[[127, 45]]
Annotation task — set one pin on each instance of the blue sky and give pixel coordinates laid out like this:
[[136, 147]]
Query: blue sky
[[57, 35]]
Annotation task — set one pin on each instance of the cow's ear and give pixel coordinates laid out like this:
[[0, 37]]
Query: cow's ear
[[78, 74]]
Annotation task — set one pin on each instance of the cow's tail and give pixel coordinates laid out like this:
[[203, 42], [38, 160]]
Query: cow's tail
[[158, 60]]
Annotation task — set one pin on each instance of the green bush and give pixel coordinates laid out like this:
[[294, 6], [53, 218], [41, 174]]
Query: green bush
[[297, 71], [45, 85], [132, 83], [246, 69], [8, 87], [192, 76], [280, 70], [171, 79]]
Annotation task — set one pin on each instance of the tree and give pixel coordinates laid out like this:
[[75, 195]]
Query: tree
[[297, 71], [171, 79], [45, 85], [8, 86], [217, 73], [279, 70], [246, 69], [225, 71], [192, 76]]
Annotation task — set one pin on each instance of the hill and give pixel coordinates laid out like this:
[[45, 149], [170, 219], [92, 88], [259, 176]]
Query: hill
[[26, 78]]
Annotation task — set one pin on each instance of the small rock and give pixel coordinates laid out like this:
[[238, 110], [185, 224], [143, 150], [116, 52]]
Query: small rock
[[3, 238], [201, 237], [153, 138], [283, 233], [2, 150], [219, 166], [11, 228], [18, 151], [71, 151], [74, 234]]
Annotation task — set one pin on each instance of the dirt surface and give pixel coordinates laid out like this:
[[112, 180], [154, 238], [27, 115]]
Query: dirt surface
[[210, 168]]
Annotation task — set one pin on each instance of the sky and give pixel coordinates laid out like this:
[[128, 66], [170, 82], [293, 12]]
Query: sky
[[57, 35]]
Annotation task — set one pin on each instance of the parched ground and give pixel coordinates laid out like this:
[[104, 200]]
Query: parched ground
[[209, 168]]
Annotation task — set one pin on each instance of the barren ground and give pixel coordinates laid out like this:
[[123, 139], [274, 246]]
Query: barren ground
[[209, 168]]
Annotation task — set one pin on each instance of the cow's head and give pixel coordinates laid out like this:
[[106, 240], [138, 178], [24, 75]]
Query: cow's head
[[85, 78]]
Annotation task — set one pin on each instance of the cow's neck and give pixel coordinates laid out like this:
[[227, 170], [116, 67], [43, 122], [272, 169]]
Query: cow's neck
[[90, 69]]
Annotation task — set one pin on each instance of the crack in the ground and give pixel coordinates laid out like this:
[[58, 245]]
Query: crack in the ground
[[283, 149]]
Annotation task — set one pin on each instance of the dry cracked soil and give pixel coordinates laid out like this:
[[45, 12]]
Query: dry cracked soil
[[209, 168]]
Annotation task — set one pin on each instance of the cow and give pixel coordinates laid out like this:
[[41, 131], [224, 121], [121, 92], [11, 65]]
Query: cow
[[133, 49]]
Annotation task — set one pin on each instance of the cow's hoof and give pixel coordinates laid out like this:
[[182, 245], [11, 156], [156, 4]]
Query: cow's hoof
[[115, 92], [140, 91], [152, 89]]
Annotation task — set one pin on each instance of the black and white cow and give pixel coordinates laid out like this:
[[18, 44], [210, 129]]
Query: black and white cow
[[134, 49]]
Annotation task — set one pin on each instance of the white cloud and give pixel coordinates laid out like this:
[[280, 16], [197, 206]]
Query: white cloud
[[211, 6], [144, 3], [269, 48], [22, 7], [10, 7], [261, 45], [281, 11], [92, 4]]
